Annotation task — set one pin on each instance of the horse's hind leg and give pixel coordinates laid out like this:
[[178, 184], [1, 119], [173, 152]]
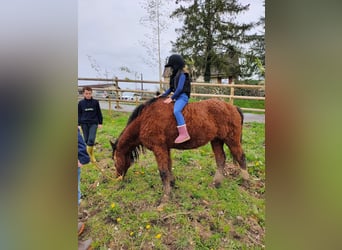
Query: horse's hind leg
[[220, 157], [238, 155]]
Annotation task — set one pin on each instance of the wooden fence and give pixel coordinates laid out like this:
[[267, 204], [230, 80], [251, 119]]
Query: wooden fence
[[111, 86]]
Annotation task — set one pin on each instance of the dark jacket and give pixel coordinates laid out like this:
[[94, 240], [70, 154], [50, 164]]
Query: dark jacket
[[83, 156], [89, 112], [185, 87], [179, 83]]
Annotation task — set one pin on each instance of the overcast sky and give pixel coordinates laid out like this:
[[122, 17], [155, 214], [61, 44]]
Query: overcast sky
[[110, 32]]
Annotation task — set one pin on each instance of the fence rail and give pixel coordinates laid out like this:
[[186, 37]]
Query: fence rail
[[113, 86]]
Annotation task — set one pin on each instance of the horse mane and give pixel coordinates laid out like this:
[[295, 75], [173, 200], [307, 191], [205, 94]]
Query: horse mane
[[137, 111], [134, 154]]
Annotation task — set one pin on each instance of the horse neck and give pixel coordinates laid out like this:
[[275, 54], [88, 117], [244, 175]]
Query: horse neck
[[129, 138]]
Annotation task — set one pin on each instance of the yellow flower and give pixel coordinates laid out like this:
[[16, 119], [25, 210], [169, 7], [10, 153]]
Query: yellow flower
[[148, 226], [158, 236], [112, 205], [118, 219], [131, 233]]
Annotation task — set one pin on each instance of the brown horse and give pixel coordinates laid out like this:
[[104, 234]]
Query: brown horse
[[152, 125]]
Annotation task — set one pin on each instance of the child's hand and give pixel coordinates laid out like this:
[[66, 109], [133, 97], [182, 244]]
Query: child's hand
[[168, 100]]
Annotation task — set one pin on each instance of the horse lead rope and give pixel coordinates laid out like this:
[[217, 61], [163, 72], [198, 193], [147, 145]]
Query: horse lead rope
[[104, 174]]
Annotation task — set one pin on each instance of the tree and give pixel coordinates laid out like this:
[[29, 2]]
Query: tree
[[155, 21], [136, 75], [95, 66], [99, 73], [210, 36], [254, 58]]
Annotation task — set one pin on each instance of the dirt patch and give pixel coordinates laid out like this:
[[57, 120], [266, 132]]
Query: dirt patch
[[255, 234], [253, 186], [231, 170]]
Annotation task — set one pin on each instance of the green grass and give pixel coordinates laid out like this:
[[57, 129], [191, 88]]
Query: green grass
[[123, 215], [257, 104]]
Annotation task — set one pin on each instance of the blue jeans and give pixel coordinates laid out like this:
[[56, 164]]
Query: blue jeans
[[78, 185], [89, 133], [180, 103]]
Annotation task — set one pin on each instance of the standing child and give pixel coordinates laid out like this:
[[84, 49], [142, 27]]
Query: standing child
[[180, 85], [89, 119], [83, 158]]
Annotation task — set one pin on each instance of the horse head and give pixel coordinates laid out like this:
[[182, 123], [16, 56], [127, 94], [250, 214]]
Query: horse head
[[127, 151], [121, 160]]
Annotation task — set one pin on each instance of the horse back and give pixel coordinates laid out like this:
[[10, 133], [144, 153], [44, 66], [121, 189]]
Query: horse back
[[205, 120]]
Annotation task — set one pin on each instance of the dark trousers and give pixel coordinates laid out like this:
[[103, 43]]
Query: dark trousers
[[89, 133]]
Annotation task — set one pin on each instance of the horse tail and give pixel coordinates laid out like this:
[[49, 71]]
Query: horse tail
[[241, 114], [242, 117]]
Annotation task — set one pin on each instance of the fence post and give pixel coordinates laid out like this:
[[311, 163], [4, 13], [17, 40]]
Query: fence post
[[231, 99], [109, 105], [117, 92], [193, 89], [160, 86]]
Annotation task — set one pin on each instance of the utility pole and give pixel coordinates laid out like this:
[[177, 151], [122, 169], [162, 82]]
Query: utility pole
[[158, 37], [142, 84]]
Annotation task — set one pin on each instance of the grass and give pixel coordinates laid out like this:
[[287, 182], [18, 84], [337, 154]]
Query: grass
[[258, 104], [123, 215]]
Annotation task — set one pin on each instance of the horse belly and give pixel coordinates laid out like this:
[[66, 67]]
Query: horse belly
[[198, 137], [191, 144]]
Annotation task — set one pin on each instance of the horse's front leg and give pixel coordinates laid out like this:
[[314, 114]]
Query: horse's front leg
[[163, 160]]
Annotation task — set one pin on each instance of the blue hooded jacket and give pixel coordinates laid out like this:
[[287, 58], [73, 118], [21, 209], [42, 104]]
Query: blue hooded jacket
[[83, 156]]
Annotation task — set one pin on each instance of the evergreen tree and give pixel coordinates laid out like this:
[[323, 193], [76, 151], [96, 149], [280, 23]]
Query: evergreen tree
[[210, 36], [254, 58]]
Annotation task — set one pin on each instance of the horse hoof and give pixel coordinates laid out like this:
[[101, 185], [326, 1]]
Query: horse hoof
[[244, 174], [160, 208], [214, 185], [217, 184], [218, 178]]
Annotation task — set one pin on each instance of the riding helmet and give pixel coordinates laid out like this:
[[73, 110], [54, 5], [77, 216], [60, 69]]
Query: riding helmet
[[176, 62]]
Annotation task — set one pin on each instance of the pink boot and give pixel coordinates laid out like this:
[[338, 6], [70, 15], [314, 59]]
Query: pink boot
[[183, 134]]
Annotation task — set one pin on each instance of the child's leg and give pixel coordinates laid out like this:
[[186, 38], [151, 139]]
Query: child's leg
[[85, 130], [182, 130], [92, 134], [177, 110]]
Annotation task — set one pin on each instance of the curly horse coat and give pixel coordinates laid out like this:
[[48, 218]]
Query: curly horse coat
[[152, 125]]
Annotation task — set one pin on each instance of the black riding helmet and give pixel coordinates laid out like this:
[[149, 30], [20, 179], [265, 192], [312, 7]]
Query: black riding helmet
[[176, 62]]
